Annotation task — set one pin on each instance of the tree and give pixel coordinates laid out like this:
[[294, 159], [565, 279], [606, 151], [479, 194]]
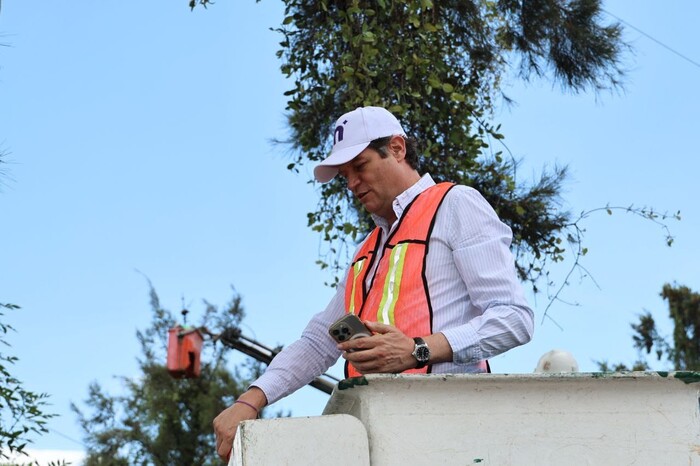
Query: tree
[[438, 65], [22, 412], [160, 420], [683, 352], [684, 311]]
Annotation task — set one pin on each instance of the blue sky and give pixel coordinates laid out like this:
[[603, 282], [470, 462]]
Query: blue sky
[[139, 140]]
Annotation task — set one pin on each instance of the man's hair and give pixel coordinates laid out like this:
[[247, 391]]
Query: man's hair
[[380, 145]]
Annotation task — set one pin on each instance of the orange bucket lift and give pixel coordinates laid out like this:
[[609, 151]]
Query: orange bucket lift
[[184, 350]]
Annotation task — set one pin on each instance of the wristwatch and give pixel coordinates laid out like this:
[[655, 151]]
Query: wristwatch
[[421, 352]]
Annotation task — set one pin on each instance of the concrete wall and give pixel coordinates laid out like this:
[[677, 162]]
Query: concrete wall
[[532, 419], [337, 439]]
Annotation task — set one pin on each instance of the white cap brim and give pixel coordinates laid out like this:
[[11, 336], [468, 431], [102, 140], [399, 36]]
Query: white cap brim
[[326, 170]]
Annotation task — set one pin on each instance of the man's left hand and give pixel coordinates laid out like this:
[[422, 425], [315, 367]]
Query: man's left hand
[[388, 350]]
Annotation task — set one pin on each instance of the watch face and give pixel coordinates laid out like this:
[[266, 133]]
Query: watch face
[[422, 353]]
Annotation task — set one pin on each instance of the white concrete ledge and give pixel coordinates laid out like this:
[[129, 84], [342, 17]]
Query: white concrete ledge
[[339, 440], [527, 419]]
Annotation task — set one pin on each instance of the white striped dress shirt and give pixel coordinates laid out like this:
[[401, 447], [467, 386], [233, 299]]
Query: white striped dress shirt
[[478, 303]]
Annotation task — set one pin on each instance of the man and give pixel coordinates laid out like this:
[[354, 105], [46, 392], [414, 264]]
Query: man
[[435, 282]]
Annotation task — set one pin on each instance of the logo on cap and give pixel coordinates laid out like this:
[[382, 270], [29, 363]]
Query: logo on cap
[[338, 134]]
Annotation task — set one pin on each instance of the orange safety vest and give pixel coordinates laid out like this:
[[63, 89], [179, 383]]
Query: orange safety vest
[[398, 293]]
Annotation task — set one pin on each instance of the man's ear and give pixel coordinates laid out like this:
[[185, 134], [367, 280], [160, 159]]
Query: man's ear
[[397, 147]]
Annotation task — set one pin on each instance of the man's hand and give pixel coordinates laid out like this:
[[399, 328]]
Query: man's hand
[[387, 351], [226, 423]]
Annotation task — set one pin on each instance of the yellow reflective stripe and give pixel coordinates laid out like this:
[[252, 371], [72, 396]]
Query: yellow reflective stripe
[[356, 269], [392, 284]]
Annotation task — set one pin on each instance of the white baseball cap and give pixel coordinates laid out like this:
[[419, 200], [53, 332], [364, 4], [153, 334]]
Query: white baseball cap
[[353, 133]]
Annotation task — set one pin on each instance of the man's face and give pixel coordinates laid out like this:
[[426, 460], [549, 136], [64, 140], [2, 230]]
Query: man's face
[[373, 180]]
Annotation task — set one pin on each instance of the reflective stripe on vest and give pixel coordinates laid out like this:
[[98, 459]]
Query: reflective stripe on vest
[[398, 293], [356, 270]]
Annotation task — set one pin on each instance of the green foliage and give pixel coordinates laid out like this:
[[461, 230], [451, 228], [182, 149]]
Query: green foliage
[[204, 3], [438, 66], [684, 311], [683, 353], [22, 412], [160, 420], [640, 365], [564, 36]]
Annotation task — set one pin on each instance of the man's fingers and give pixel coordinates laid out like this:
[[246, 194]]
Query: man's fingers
[[387, 351], [360, 355], [377, 327], [221, 449]]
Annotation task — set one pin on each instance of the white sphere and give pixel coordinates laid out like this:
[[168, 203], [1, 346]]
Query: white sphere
[[557, 361]]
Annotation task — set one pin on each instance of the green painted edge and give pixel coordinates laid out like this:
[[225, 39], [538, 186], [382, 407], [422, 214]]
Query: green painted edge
[[662, 373], [687, 376], [352, 382]]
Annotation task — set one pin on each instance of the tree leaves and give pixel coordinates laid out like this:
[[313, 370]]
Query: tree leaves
[[682, 350], [438, 67], [22, 412], [684, 311]]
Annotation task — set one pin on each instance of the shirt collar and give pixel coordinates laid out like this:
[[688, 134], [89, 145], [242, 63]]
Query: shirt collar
[[404, 199]]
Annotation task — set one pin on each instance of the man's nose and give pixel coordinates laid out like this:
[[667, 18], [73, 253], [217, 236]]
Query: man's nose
[[353, 181]]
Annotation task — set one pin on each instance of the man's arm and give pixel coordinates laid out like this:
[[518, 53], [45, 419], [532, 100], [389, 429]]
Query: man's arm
[[501, 317], [308, 357], [294, 367]]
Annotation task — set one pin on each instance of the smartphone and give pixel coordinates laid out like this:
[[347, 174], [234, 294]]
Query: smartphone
[[347, 328]]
